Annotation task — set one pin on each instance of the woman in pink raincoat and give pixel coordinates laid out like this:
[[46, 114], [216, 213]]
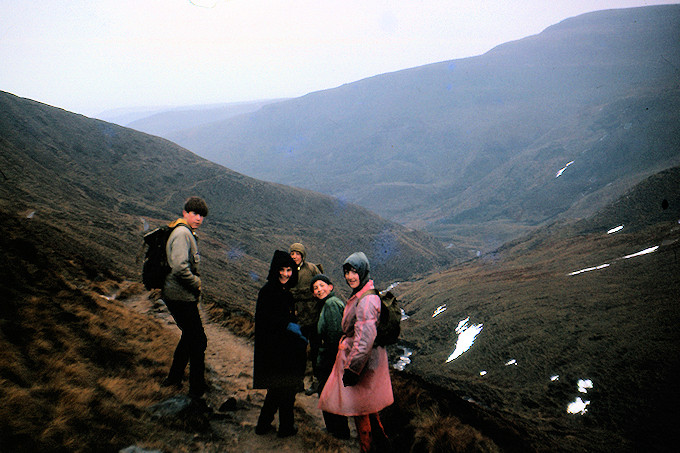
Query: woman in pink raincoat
[[359, 384]]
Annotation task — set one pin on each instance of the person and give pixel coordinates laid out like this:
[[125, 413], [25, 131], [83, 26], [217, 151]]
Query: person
[[280, 348], [181, 293], [306, 307], [359, 384], [329, 329]]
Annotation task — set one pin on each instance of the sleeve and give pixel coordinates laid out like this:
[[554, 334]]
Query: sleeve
[[334, 329], [365, 331], [179, 259]]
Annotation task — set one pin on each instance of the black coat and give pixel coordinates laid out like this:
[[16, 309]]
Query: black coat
[[280, 355]]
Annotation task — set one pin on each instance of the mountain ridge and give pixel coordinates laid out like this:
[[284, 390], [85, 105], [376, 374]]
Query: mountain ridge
[[405, 142]]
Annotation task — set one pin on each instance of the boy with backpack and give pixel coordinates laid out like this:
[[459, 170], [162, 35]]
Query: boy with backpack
[[181, 293]]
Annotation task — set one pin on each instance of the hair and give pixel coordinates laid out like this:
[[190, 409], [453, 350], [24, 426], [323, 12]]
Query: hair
[[196, 205]]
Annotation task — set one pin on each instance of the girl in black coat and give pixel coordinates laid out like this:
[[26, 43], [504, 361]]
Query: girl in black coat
[[280, 348]]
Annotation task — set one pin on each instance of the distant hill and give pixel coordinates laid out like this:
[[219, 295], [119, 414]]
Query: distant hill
[[165, 122], [101, 184], [469, 149]]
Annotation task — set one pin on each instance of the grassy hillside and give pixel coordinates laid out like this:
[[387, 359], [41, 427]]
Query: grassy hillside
[[468, 149], [77, 370], [101, 184], [567, 303]]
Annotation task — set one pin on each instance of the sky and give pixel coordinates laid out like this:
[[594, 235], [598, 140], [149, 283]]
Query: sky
[[92, 56]]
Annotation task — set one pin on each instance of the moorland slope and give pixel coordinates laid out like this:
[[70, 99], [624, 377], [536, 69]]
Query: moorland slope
[[594, 301]]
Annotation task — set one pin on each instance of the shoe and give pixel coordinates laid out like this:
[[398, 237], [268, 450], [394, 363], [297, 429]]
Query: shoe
[[172, 382], [263, 429], [343, 436], [196, 392], [200, 405], [287, 432], [314, 388]]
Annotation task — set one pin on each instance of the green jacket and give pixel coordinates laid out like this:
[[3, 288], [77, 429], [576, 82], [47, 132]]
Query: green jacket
[[330, 332]]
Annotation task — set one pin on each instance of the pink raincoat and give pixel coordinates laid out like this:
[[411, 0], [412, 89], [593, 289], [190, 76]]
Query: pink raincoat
[[373, 392]]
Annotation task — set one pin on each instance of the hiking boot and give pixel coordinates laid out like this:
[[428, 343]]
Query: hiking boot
[[314, 388], [200, 405], [197, 391], [172, 382], [344, 435], [263, 429], [287, 432]]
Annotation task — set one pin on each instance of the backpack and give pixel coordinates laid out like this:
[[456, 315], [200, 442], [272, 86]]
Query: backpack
[[390, 318], [155, 267]]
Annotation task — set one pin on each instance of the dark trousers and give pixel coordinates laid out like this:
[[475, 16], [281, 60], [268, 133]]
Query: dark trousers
[[312, 335], [283, 400], [191, 346]]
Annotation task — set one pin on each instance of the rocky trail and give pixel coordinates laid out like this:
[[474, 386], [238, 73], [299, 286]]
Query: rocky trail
[[236, 406]]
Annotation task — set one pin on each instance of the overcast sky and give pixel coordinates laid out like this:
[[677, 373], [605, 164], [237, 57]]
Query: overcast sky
[[88, 56]]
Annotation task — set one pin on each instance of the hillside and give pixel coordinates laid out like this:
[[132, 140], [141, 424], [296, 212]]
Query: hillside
[[570, 302], [102, 184], [79, 368], [469, 149]]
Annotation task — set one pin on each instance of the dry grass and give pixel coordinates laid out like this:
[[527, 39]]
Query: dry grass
[[77, 370]]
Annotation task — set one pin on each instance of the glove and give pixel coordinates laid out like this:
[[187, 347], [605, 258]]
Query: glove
[[350, 378], [295, 328]]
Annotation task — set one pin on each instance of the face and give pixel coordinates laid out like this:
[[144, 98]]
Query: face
[[297, 257], [321, 289], [194, 220], [352, 278], [284, 275]]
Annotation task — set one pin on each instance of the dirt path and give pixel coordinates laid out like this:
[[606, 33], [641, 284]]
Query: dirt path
[[229, 365]]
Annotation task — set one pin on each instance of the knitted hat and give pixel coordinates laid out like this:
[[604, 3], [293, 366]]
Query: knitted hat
[[321, 277]]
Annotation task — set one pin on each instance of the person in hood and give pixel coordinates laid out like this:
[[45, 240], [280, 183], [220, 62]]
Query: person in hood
[[181, 293], [306, 307], [330, 332], [280, 348], [359, 384]]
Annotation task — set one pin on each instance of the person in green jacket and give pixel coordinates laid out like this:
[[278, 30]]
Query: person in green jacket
[[329, 329]]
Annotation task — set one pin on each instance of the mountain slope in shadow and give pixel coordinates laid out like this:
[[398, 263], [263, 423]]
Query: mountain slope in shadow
[[572, 330]]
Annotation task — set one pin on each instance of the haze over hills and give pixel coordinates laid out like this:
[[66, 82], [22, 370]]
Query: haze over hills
[[469, 149], [160, 121], [102, 183]]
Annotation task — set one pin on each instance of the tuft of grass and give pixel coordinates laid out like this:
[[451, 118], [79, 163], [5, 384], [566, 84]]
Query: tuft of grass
[[437, 433]]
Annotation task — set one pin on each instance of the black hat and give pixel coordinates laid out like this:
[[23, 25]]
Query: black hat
[[321, 277]]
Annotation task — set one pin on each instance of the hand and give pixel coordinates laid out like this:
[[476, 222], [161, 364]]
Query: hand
[[350, 378], [295, 328]]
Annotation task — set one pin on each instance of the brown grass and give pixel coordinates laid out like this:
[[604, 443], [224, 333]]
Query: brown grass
[[77, 370]]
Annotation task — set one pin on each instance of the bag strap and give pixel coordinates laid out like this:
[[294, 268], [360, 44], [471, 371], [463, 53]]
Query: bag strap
[[370, 292]]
